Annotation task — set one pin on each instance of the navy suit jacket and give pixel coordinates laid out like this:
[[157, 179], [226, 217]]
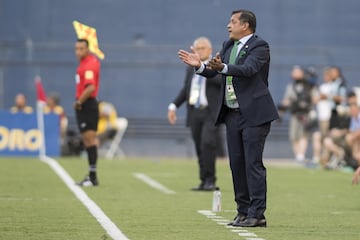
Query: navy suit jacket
[[212, 92], [250, 80]]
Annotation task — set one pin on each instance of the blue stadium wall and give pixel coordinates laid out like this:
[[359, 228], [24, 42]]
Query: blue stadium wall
[[141, 73]]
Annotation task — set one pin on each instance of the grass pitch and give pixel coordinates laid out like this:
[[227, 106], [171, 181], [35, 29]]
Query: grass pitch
[[302, 203]]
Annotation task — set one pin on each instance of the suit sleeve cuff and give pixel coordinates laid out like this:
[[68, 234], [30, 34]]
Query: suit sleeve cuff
[[200, 69], [225, 69]]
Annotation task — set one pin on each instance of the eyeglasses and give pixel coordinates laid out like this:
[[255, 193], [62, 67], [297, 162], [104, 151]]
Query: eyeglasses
[[353, 104]]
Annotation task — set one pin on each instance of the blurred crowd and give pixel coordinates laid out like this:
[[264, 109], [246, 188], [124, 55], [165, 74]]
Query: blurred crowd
[[325, 114]]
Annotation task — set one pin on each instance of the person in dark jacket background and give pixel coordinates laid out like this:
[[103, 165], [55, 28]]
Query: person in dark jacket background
[[201, 96]]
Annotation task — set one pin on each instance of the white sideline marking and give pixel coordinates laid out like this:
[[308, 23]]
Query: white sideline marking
[[247, 234], [239, 230], [151, 182], [113, 231], [214, 217], [206, 212], [229, 226], [221, 221]]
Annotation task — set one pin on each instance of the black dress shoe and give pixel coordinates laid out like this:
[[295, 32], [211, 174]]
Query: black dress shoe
[[239, 218], [209, 187], [252, 222], [198, 188]]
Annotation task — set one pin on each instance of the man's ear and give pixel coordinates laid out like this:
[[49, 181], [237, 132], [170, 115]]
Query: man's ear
[[246, 25]]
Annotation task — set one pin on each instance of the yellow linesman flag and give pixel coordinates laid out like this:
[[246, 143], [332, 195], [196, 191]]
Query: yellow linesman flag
[[89, 33]]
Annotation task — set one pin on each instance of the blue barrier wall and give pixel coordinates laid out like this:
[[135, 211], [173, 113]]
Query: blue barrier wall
[[141, 72], [20, 136]]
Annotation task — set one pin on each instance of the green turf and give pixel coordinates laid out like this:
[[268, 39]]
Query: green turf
[[35, 204], [302, 203]]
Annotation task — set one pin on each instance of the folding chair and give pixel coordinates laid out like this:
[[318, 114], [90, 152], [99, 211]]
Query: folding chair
[[115, 149]]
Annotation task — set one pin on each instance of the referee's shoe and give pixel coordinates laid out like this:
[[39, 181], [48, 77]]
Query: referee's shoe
[[87, 182]]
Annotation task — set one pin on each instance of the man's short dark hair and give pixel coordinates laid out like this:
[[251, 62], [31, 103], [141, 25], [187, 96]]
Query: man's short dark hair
[[83, 40], [247, 16]]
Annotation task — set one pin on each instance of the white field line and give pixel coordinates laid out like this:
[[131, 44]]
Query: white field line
[[113, 231], [151, 182], [240, 231], [255, 238]]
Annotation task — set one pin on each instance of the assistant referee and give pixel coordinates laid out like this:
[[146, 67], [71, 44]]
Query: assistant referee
[[86, 105]]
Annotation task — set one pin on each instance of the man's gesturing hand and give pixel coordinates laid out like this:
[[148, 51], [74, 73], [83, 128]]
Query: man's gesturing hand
[[216, 63], [191, 59]]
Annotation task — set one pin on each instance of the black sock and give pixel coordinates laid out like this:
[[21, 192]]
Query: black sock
[[92, 157]]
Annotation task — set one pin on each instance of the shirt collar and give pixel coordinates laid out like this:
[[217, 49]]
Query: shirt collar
[[243, 40]]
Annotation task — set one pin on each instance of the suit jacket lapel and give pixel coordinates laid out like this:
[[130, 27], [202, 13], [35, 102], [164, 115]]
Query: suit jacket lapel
[[227, 46], [244, 48], [227, 50]]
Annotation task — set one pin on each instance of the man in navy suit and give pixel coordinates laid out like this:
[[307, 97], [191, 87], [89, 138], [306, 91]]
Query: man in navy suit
[[247, 109], [201, 97]]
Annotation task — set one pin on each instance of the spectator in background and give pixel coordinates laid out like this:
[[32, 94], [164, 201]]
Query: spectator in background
[[324, 102], [339, 121], [107, 125], [299, 98], [343, 144], [338, 97], [353, 137], [20, 105], [323, 107], [53, 106]]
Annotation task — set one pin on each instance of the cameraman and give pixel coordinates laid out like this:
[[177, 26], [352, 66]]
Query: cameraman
[[299, 99]]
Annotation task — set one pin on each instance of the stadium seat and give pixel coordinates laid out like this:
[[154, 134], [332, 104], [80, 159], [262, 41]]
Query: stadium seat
[[115, 149]]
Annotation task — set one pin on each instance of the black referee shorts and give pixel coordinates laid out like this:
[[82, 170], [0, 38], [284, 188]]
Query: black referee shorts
[[87, 118]]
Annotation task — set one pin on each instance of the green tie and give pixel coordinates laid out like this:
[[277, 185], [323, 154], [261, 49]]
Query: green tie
[[230, 93]]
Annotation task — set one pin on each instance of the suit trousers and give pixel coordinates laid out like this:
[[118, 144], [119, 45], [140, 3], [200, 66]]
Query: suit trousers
[[245, 147], [204, 134]]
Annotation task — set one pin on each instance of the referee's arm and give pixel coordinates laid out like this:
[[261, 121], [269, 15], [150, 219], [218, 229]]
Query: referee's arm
[[89, 89]]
